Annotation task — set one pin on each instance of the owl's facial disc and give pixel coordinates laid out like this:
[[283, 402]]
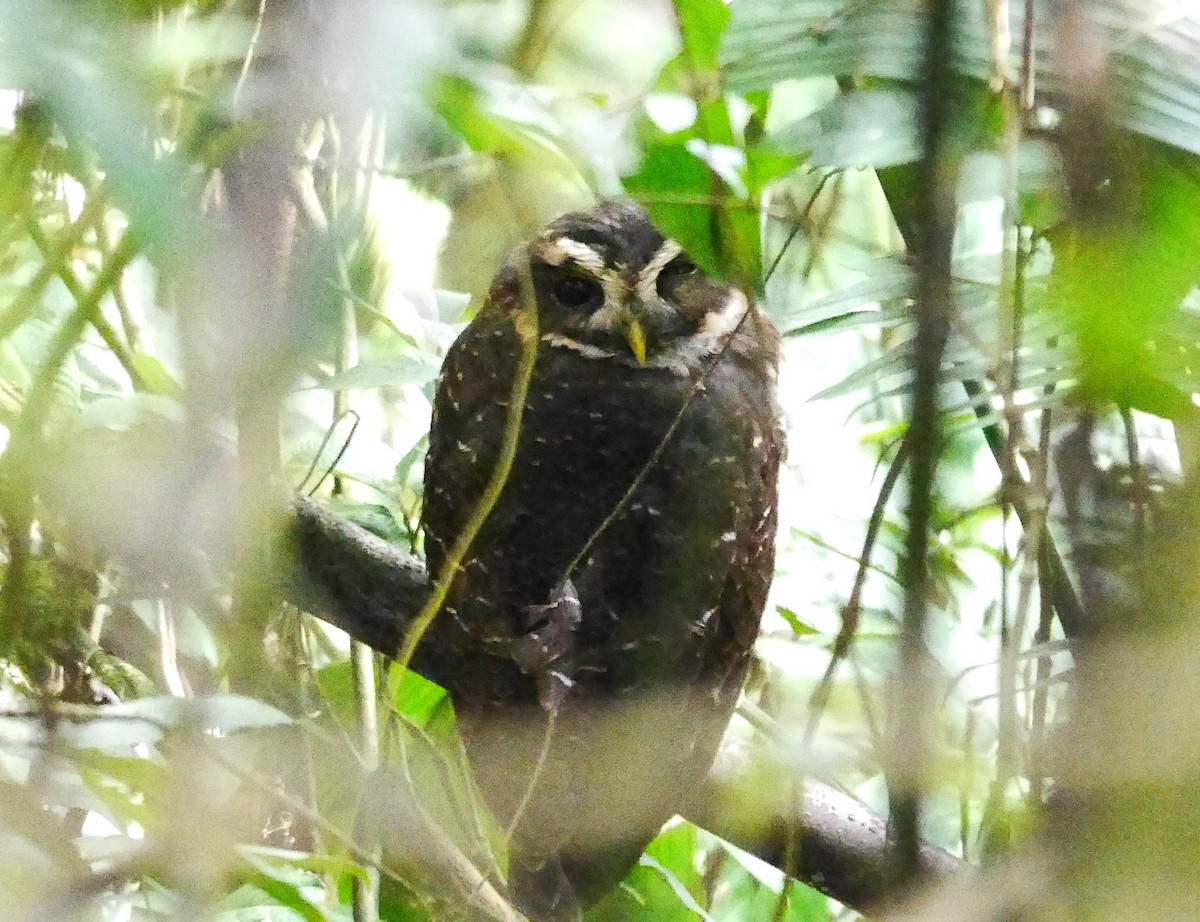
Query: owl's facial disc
[[664, 313]]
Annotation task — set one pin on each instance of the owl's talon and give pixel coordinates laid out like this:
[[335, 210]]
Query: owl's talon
[[546, 650]]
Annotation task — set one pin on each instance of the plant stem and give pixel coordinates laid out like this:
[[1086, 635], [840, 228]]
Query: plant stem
[[909, 732]]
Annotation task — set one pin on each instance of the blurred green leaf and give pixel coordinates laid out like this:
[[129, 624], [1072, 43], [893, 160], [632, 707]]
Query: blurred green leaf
[[155, 376], [227, 713], [701, 25], [270, 860], [21, 153], [1157, 90], [691, 203], [376, 519], [131, 787], [751, 889], [248, 903], [675, 186], [128, 411], [799, 627], [418, 699], [192, 635], [665, 885], [391, 373], [1122, 281], [875, 126]]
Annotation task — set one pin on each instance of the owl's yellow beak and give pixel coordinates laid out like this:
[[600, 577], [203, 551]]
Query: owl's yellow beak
[[635, 335]]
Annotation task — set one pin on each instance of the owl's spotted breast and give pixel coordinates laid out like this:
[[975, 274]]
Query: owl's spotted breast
[[651, 488]]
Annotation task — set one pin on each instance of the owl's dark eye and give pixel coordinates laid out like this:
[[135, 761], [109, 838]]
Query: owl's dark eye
[[575, 291], [672, 274]]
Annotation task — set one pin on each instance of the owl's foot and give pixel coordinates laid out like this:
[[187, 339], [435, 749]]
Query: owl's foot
[[544, 894], [547, 649]]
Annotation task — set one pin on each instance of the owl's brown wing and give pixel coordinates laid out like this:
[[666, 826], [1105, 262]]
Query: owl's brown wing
[[468, 420], [469, 410], [744, 592]]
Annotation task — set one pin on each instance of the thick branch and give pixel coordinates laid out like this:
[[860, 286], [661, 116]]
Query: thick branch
[[345, 575], [372, 590], [821, 835]]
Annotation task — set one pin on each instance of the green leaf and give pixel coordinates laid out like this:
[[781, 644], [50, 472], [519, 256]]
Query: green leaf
[[685, 897], [336, 685], [1154, 87], [418, 699], [112, 733], [457, 101], [690, 202], [664, 885], [127, 411], [749, 888], [391, 373], [766, 163], [247, 902], [131, 787], [676, 186], [374, 517], [228, 713], [414, 697], [269, 859], [799, 628], [192, 636], [155, 376], [701, 25], [889, 281], [13, 368], [870, 127]]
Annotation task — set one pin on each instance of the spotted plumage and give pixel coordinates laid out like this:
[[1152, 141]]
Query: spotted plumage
[[592, 698]]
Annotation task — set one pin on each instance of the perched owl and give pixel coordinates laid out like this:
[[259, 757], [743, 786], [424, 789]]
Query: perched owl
[[597, 635]]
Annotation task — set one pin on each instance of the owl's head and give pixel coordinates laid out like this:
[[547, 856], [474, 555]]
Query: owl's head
[[610, 286]]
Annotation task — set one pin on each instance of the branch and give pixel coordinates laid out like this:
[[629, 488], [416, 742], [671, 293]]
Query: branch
[[345, 575], [372, 590]]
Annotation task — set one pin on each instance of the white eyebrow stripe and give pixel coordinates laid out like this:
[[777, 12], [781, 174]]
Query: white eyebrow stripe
[[647, 280], [667, 252], [558, 251]]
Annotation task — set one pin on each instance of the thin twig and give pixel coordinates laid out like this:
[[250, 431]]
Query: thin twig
[[1137, 473], [96, 317], [332, 466], [1028, 59], [799, 223], [538, 768], [1012, 309], [26, 302], [852, 611], [364, 892], [966, 785], [1041, 689], [250, 49], [168, 652], [541, 22]]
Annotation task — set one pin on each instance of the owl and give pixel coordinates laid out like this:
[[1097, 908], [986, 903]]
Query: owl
[[597, 634]]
